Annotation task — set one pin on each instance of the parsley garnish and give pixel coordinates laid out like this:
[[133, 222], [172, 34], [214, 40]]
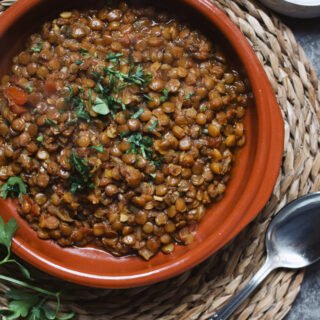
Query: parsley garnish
[[137, 114], [153, 125], [78, 62], [13, 188], [140, 144], [138, 77], [101, 106], [51, 122], [25, 304], [40, 138], [147, 97], [29, 88], [81, 113], [81, 178], [203, 108], [165, 95], [189, 95], [84, 52], [78, 104], [114, 57], [37, 47], [99, 148], [96, 75], [111, 101]]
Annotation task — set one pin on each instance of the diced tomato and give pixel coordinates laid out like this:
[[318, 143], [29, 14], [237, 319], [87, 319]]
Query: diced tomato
[[18, 109], [50, 87], [16, 95]]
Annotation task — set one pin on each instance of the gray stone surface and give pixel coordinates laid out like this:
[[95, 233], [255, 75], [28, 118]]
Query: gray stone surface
[[307, 305]]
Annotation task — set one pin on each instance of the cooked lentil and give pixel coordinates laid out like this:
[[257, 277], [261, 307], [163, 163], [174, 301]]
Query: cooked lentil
[[122, 123]]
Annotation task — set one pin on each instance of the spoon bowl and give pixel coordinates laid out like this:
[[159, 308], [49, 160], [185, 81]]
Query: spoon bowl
[[292, 241], [293, 237]]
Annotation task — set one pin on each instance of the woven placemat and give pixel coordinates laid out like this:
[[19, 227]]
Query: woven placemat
[[197, 293]]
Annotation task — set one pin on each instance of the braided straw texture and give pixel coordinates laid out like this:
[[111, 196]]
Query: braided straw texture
[[197, 293]]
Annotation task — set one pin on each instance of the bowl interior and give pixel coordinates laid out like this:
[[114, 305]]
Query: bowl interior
[[94, 267]]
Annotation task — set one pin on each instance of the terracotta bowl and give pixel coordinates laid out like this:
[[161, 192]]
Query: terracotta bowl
[[250, 187]]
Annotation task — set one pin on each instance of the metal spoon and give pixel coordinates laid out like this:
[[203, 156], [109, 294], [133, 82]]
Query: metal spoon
[[292, 241]]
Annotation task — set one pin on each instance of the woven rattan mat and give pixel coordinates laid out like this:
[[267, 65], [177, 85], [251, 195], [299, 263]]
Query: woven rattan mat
[[197, 293]]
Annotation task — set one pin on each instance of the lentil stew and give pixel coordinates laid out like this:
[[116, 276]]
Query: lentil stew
[[118, 127]]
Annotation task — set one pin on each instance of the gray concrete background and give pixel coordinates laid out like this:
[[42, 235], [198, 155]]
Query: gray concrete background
[[307, 305]]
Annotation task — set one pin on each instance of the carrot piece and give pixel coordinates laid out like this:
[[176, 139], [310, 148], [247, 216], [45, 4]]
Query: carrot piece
[[16, 95]]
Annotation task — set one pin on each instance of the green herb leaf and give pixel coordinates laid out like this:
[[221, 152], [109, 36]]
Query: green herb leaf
[[112, 102], [138, 77], [189, 95], [81, 178], [51, 122], [29, 88], [95, 55], [79, 62], [13, 188], [84, 52], [203, 108], [153, 125], [101, 106], [147, 97], [96, 75], [7, 232], [114, 57], [37, 47], [165, 95], [137, 114], [140, 144], [99, 148], [40, 138], [26, 304], [124, 134], [81, 113]]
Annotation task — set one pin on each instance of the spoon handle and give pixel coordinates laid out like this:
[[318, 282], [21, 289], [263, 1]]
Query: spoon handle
[[225, 312]]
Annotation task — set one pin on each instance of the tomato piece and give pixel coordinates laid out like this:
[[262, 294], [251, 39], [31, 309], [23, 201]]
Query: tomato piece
[[16, 95], [18, 109], [50, 87]]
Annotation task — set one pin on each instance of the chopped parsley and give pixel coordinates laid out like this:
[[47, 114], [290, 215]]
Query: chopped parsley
[[107, 101], [29, 88], [137, 77], [189, 95], [165, 95], [99, 148], [84, 52], [147, 97], [78, 62], [203, 108], [37, 47], [96, 75], [40, 138], [137, 114], [81, 177], [95, 55], [140, 144], [153, 125], [101, 106], [114, 57], [13, 188], [81, 113], [51, 122]]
